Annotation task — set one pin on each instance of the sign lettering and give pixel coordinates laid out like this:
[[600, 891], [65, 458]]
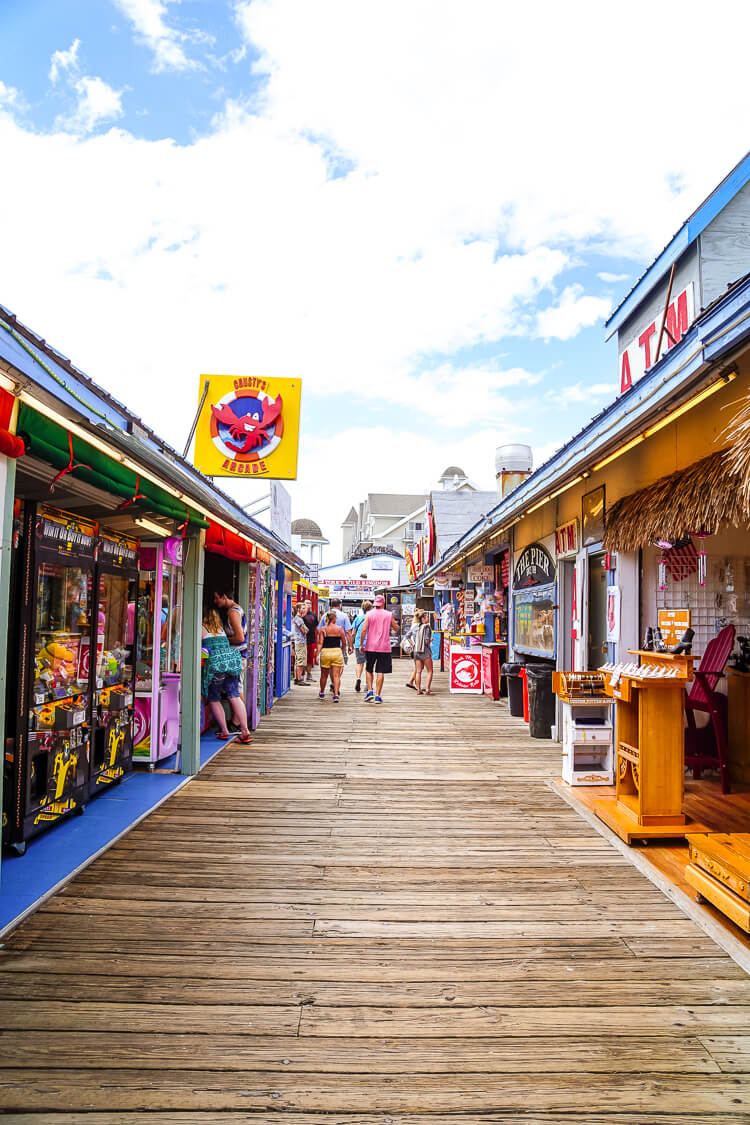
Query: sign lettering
[[640, 353]]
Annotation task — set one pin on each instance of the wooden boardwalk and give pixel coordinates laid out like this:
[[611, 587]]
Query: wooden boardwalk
[[370, 916]]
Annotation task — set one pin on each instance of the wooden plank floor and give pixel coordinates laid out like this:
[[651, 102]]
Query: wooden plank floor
[[370, 916]]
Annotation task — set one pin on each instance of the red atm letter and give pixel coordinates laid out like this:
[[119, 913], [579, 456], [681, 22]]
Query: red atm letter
[[626, 380]]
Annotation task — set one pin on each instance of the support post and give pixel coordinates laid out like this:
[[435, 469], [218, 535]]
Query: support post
[[256, 661], [243, 584], [7, 497], [191, 654]]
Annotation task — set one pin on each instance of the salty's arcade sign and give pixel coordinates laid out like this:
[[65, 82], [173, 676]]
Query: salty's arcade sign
[[640, 352]]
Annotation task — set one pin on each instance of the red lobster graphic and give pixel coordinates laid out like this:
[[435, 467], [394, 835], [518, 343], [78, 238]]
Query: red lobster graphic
[[248, 432]]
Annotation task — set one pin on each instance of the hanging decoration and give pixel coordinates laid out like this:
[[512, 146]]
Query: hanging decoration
[[663, 572], [702, 556]]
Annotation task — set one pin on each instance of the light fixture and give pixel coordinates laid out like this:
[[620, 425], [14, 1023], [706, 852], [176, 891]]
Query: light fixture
[[155, 528], [726, 378], [618, 452]]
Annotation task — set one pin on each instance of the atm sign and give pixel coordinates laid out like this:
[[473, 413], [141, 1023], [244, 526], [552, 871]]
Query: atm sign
[[640, 353]]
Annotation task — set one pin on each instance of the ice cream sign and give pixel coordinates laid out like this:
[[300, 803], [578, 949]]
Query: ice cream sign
[[640, 353]]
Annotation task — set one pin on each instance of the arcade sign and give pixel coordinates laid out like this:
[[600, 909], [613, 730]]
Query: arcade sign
[[534, 567], [640, 352], [248, 426]]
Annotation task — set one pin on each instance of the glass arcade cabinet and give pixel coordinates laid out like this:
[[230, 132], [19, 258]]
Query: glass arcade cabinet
[[47, 760], [112, 718], [158, 652]]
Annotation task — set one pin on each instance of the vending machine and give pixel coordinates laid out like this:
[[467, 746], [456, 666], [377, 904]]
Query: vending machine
[[158, 651], [47, 757], [112, 717]]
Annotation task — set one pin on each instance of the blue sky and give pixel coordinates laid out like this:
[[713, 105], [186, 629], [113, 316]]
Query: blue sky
[[425, 211]]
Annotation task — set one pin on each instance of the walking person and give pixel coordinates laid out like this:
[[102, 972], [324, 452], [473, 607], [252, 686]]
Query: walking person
[[331, 644], [299, 633], [422, 651], [342, 620], [407, 647], [359, 652], [376, 641], [221, 676], [311, 621]]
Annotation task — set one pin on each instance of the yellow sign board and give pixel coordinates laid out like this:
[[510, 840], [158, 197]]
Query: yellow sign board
[[248, 427], [673, 623]]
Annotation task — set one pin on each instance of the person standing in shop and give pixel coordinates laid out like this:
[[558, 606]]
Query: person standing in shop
[[422, 651], [220, 676], [311, 621], [235, 626], [376, 641], [359, 652]]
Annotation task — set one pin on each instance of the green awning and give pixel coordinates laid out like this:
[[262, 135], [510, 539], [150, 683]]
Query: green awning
[[51, 443]]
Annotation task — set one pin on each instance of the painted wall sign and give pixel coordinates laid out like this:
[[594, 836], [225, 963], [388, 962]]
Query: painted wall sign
[[640, 352], [248, 427], [566, 538], [534, 567], [481, 573]]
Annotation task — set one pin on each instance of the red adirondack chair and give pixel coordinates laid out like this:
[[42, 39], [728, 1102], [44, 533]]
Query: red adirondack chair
[[706, 747]]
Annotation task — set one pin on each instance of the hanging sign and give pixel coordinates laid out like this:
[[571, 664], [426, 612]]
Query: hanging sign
[[534, 567], [248, 427], [640, 352], [566, 539], [481, 574]]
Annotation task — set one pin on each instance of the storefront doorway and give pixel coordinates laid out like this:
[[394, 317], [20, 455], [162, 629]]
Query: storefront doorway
[[597, 611]]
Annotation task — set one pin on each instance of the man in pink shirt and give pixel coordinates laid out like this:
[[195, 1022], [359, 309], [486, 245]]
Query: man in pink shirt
[[376, 641]]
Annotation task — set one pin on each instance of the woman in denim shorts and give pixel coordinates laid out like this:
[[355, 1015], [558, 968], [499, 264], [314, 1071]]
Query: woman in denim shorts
[[221, 676]]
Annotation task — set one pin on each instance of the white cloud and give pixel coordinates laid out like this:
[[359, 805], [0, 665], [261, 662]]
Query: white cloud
[[148, 18], [10, 98], [577, 392], [64, 62], [245, 251], [97, 102], [573, 312], [612, 278]]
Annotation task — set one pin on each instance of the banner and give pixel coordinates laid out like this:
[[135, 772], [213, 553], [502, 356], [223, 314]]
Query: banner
[[248, 427]]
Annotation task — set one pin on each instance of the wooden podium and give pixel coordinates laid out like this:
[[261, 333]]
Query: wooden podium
[[649, 753]]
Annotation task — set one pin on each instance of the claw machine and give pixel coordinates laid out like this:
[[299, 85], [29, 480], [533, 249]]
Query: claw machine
[[112, 716], [47, 756], [158, 651]]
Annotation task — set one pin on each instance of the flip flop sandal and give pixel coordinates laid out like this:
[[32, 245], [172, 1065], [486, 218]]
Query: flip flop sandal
[[244, 741], [223, 737], [412, 686]]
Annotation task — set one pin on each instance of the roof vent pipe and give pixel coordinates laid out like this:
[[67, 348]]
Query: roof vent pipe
[[513, 463]]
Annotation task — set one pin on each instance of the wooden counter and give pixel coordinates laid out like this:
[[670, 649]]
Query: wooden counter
[[739, 725], [649, 754]]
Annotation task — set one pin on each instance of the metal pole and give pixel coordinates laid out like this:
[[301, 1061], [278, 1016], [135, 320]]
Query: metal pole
[[195, 420], [664, 314]]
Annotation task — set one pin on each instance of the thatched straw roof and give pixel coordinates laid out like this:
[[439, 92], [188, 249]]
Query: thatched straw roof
[[737, 439], [699, 498]]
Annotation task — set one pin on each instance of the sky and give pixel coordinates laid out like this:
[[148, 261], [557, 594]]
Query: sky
[[423, 209]]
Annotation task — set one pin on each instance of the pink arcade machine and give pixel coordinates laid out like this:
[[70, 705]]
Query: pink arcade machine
[[158, 651]]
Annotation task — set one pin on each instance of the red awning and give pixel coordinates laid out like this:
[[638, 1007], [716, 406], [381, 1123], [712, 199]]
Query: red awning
[[221, 541]]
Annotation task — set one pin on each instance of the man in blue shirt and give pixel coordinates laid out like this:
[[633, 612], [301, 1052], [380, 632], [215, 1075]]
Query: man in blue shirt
[[342, 620], [359, 652]]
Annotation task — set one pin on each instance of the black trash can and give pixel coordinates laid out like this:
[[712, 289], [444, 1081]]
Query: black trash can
[[515, 688], [541, 701]]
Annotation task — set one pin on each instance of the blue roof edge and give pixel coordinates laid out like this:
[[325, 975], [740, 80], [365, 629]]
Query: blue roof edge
[[722, 194]]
